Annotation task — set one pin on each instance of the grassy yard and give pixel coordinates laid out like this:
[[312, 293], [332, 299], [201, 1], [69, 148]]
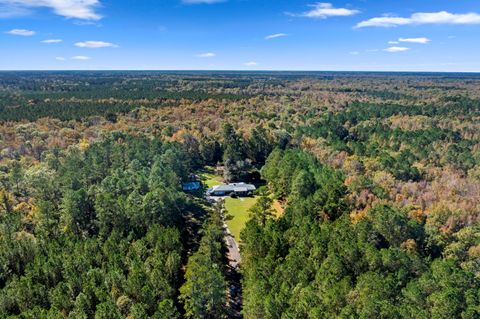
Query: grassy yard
[[209, 178], [238, 209]]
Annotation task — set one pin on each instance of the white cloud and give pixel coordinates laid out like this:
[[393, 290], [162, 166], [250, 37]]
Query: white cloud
[[354, 53], [324, 10], [276, 35], [95, 44], [12, 11], [78, 9], [251, 63], [383, 22], [202, 1], [81, 57], [49, 41], [60, 58], [21, 32], [393, 42], [396, 49], [206, 55], [441, 17], [422, 40]]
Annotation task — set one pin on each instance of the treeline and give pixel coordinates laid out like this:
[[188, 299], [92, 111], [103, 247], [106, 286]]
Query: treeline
[[316, 262], [98, 233], [76, 95], [34, 106], [363, 130], [68, 110], [241, 155], [204, 293]]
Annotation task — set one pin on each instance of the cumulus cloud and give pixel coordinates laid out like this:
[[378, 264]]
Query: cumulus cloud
[[78, 9], [324, 10], [396, 49], [421, 40], [202, 1], [95, 44], [251, 63], [21, 32], [393, 42], [49, 41], [206, 55], [441, 17], [354, 53], [276, 35], [81, 57], [60, 58]]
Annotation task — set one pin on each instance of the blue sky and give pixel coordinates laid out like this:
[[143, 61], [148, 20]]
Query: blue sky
[[363, 35]]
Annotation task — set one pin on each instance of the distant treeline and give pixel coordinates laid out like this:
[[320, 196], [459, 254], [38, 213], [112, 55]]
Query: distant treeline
[[378, 139], [14, 109], [72, 95]]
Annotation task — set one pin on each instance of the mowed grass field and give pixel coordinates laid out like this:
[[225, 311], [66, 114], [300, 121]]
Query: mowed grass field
[[209, 178], [238, 208]]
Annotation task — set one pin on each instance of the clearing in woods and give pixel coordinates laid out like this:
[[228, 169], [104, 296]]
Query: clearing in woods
[[238, 214]]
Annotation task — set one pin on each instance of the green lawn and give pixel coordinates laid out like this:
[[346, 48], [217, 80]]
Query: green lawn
[[209, 178], [238, 209]]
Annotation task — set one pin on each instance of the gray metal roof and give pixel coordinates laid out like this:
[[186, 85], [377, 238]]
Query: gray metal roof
[[233, 187]]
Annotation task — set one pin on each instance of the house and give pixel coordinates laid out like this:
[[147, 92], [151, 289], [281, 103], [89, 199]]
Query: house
[[240, 189]]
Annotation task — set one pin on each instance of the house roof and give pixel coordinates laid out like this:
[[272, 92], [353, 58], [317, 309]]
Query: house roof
[[233, 187]]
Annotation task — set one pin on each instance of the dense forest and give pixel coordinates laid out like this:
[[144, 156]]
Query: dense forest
[[319, 262], [377, 177]]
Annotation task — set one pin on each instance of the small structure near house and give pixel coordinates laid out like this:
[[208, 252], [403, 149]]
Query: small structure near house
[[239, 189], [193, 184]]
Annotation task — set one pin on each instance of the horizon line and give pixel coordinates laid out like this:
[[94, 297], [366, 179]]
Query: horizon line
[[231, 70]]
